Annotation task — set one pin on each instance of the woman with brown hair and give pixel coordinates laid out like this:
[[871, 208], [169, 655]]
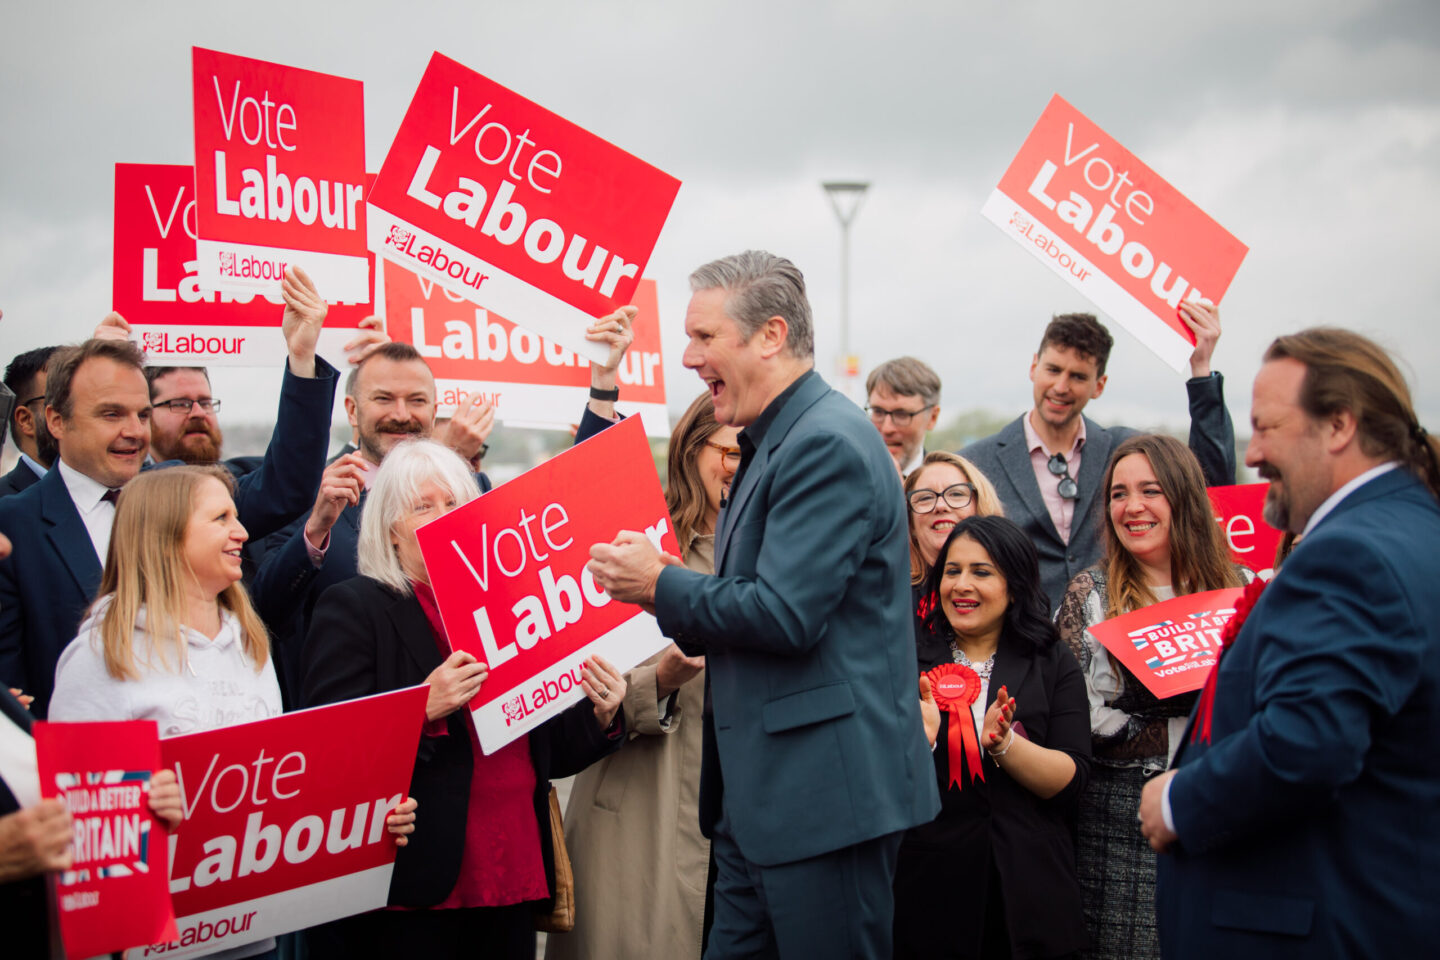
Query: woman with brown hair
[[1161, 541], [640, 865]]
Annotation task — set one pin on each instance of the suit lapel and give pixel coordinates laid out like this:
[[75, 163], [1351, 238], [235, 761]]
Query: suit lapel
[[807, 395], [67, 534], [1093, 460], [415, 634], [1015, 459]]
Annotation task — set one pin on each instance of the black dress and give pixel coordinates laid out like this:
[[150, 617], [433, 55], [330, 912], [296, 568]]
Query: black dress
[[994, 874]]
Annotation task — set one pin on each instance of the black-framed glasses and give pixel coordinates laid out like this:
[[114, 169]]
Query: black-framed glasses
[[35, 399], [183, 405], [957, 497], [901, 418], [1058, 466], [730, 455]]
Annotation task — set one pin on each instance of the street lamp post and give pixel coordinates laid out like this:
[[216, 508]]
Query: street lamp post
[[845, 197]]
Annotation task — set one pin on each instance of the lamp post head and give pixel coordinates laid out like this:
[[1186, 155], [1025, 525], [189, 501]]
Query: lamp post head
[[845, 197]]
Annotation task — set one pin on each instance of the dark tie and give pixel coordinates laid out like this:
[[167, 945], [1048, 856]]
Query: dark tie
[[111, 497]]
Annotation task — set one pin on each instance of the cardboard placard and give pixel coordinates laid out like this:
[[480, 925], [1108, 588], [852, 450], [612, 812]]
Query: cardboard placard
[[515, 208], [1171, 646], [1240, 511], [531, 381], [1113, 229], [279, 176], [285, 820], [509, 575], [113, 896], [156, 285]]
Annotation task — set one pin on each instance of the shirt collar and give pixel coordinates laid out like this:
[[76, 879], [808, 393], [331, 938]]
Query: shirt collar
[[1033, 441], [754, 434], [1333, 501], [85, 492], [33, 464], [915, 462]]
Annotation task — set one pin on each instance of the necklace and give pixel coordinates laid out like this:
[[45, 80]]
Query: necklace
[[982, 670]]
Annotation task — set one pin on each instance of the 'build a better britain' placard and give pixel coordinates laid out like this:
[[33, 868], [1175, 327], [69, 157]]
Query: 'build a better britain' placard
[[1113, 229]]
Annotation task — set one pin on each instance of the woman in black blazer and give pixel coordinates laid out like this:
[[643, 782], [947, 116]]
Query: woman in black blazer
[[380, 631], [994, 874]]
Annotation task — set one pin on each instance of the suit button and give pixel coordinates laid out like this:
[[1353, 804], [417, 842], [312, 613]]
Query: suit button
[[1072, 558]]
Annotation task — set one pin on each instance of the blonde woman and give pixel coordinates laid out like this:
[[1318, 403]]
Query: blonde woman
[[173, 637]]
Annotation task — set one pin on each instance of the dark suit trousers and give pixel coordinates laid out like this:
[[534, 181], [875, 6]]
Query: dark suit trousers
[[837, 905]]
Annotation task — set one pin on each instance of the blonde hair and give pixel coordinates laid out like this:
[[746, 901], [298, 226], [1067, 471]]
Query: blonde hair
[[146, 567], [987, 502], [407, 466]]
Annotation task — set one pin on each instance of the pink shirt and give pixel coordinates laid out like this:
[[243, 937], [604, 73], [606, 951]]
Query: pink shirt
[[1061, 511]]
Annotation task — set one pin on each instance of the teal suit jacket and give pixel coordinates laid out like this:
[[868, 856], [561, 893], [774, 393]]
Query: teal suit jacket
[[813, 739]]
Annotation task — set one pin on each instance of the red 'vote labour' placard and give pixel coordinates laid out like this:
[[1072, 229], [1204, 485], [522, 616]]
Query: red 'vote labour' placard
[[285, 820], [1240, 511], [156, 286], [508, 570], [531, 381], [1171, 646], [279, 176], [1113, 229], [113, 896], [515, 208]]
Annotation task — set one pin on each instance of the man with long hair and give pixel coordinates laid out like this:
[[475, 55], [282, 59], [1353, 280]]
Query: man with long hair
[[1299, 817]]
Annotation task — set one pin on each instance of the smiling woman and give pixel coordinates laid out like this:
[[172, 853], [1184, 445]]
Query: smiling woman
[[1161, 540]]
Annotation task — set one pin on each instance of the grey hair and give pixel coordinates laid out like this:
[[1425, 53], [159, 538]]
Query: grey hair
[[408, 466], [761, 285], [907, 377]]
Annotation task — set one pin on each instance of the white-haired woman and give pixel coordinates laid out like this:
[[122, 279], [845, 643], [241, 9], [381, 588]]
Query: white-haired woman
[[472, 879]]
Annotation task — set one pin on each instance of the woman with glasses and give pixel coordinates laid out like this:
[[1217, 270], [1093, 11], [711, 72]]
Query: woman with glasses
[[945, 490], [633, 823], [1161, 541]]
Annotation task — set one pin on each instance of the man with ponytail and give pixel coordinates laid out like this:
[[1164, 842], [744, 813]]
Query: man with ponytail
[[1301, 817]]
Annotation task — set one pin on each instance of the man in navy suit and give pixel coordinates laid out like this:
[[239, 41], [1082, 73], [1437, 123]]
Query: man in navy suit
[[814, 756], [1047, 464], [25, 376], [389, 396], [1303, 819], [98, 409]]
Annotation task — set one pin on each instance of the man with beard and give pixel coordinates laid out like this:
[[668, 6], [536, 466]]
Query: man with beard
[[1047, 465], [389, 396], [25, 376], [98, 408], [1298, 818]]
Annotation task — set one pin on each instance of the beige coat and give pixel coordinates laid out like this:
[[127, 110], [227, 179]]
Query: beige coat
[[633, 828]]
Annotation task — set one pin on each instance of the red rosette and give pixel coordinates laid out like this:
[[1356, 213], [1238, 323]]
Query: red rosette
[[955, 687], [1203, 710]]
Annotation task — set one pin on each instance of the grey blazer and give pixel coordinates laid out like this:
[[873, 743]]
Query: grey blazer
[[1004, 458], [807, 629]]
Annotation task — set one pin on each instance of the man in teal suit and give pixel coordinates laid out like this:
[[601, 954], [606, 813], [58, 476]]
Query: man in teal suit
[[814, 758], [1304, 817]]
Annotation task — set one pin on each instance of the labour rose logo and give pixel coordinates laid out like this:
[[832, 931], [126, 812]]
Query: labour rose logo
[[227, 264], [514, 710], [1020, 222], [153, 340], [399, 236]]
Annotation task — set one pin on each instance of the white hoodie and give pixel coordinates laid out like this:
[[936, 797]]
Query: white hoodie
[[217, 686]]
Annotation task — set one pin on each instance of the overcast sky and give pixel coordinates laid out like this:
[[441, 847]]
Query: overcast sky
[[1310, 130]]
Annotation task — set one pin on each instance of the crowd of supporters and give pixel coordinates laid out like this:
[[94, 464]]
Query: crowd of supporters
[[148, 577]]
